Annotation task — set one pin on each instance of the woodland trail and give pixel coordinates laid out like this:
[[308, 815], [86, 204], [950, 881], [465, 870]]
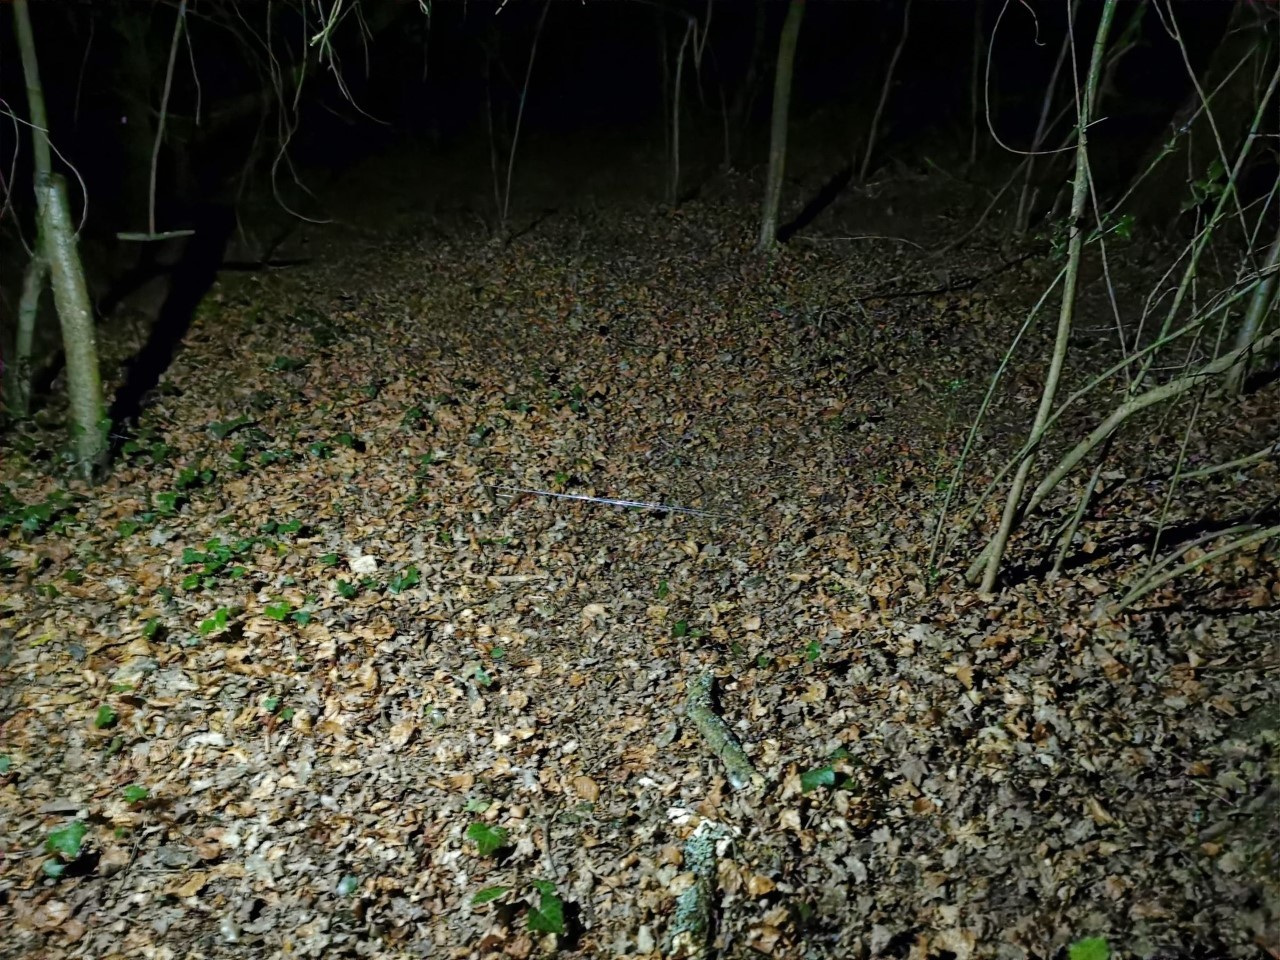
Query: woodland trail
[[361, 689]]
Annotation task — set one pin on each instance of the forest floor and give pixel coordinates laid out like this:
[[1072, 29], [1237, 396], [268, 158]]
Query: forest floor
[[308, 676]]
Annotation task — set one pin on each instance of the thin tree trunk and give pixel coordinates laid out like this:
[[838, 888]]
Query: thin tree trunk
[[778, 125], [35, 92], [673, 181], [515, 134], [75, 313], [873, 133], [1075, 244], [17, 376], [57, 241], [493, 136], [1121, 414], [1260, 304], [1025, 197], [975, 72], [664, 77]]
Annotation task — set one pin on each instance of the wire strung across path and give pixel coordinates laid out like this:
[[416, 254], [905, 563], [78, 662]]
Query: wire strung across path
[[634, 504]]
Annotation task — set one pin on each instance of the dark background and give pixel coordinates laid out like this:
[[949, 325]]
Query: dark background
[[414, 81]]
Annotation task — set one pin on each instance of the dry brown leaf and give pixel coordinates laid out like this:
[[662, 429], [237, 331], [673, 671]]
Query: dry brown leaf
[[586, 788], [1098, 812], [188, 886], [402, 732]]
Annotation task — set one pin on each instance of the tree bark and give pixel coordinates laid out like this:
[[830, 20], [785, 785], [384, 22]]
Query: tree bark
[[17, 376], [1260, 304], [778, 125], [75, 314], [57, 242]]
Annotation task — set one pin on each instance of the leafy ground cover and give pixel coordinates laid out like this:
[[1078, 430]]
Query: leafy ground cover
[[310, 676]]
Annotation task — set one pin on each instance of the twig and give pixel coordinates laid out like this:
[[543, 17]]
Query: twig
[[1258, 457], [1141, 589]]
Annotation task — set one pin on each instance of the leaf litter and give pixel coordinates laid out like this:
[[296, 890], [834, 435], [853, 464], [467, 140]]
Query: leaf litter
[[381, 640]]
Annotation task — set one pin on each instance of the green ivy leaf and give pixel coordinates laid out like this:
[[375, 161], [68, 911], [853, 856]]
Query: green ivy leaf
[[404, 581], [488, 840], [488, 895], [279, 610], [1090, 948], [680, 628], [135, 793], [105, 718], [66, 841], [819, 777], [548, 916]]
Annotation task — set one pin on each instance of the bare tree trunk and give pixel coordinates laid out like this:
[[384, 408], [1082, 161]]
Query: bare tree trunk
[[1166, 391], [493, 136], [1075, 244], [1025, 198], [778, 125], [664, 77], [17, 381], [975, 71], [1260, 304], [874, 132], [75, 313], [673, 176], [57, 242], [515, 134]]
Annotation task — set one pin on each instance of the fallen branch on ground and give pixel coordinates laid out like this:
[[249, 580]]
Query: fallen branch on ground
[[718, 735]]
